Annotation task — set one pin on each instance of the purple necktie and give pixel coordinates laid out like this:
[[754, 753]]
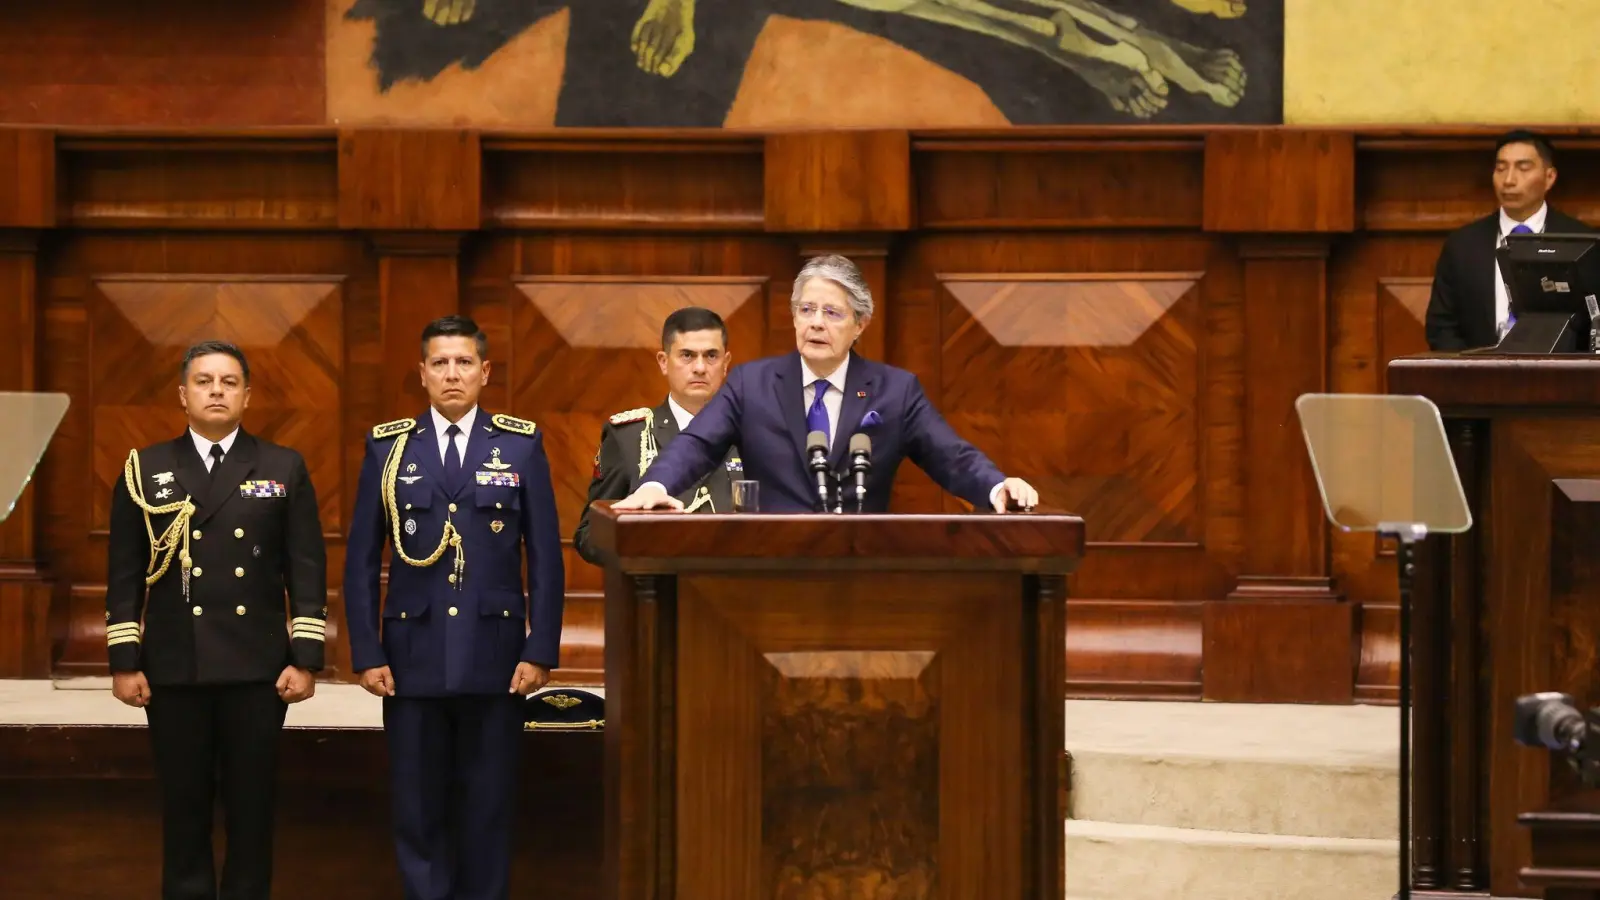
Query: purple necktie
[[1511, 318], [817, 416]]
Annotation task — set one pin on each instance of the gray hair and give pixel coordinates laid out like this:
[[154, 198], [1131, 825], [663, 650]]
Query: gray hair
[[841, 271]]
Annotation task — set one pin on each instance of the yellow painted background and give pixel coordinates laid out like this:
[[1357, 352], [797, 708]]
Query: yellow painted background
[[1441, 61]]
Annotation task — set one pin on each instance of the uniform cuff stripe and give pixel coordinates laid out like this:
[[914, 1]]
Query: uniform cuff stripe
[[307, 620], [126, 639]]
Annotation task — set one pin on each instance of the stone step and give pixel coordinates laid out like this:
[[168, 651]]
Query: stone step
[[1117, 861]]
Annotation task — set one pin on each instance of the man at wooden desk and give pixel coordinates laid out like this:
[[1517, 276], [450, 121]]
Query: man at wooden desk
[[694, 357], [1470, 306]]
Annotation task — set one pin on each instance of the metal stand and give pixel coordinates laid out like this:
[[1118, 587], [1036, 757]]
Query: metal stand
[[1407, 537]]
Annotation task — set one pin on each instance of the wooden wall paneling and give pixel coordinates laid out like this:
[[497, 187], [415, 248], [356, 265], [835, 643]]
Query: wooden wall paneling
[[838, 181], [273, 182], [627, 181], [1079, 340], [27, 204], [1281, 180]]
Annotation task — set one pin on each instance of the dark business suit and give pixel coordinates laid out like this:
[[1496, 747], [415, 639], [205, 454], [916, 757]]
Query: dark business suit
[[1461, 309], [762, 409], [213, 657], [620, 460], [453, 637]]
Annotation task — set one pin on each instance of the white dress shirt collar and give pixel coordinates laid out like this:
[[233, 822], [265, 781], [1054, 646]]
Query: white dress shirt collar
[[680, 415], [443, 424], [836, 379], [1535, 221], [203, 444]]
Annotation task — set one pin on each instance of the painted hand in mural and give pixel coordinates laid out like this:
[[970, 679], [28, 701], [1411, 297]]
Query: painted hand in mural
[[448, 12], [1222, 9], [664, 36]]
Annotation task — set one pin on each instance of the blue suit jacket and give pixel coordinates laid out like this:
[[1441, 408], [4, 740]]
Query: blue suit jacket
[[761, 408], [441, 638]]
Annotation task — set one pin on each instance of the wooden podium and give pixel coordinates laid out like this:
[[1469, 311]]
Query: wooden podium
[[811, 706], [1509, 608]]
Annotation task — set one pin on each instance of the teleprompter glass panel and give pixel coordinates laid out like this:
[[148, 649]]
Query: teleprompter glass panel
[[31, 420], [1382, 462]]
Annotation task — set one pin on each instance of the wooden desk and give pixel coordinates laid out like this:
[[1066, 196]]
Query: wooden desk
[[810, 705], [1509, 608]]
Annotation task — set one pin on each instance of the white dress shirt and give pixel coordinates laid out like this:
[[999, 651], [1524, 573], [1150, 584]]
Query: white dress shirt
[[441, 424], [204, 445], [680, 415], [1502, 299], [832, 401]]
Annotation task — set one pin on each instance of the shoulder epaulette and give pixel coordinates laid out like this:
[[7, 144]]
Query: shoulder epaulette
[[390, 429], [512, 423], [632, 415]]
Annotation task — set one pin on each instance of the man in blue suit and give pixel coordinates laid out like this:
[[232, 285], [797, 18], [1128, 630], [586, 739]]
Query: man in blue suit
[[768, 407], [461, 498]]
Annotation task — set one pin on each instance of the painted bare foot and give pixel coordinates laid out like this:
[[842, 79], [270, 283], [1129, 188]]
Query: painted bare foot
[[1222, 9]]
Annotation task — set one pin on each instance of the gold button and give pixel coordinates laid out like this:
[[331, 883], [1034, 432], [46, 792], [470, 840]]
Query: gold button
[[197, 572], [497, 506], [408, 506], [239, 572], [453, 610], [238, 610], [197, 610], [505, 613], [452, 507], [238, 532], [451, 578], [196, 534], [402, 615]]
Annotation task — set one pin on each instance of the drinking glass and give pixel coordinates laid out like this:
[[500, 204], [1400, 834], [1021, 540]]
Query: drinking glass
[[746, 496]]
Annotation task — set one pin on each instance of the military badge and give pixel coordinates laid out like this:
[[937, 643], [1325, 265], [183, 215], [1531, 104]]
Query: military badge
[[499, 479], [411, 479], [163, 478], [164, 493], [411, 526], [266, 488], [494, 461], [496, 526]]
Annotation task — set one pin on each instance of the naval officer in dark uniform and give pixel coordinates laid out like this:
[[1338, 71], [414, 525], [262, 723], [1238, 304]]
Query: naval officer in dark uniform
[[461, 498], [209, 531], [694, 358]]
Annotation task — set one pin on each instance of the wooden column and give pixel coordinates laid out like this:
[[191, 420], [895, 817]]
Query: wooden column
[[415, 193], [844, 192], [27, 205], [1283, 634]]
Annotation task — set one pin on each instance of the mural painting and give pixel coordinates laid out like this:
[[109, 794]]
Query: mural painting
[[774, 63]]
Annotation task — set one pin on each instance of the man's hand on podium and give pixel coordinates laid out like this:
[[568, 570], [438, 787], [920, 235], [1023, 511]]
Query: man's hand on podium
[[1017, 491], [649, 496], [131, 688]]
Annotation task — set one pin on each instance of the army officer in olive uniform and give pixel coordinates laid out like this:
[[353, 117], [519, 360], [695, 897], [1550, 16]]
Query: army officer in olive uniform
[[694, 357], [209, 531]]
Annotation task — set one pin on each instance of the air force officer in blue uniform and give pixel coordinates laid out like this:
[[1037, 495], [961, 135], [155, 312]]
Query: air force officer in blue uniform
[[461, 498], [768, 407]]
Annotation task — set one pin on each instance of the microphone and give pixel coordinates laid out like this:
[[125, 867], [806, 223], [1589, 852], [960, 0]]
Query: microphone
[[817, 462], [860, 465], [1549, 720], [1594, 323]]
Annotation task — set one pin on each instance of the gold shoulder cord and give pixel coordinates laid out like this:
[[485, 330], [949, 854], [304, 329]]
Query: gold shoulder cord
[[450, 537], [647, 442], [177, 532]]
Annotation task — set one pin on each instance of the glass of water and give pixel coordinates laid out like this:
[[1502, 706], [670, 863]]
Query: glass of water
[[746, 496]]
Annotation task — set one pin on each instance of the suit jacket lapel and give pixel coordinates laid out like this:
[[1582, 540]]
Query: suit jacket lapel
[[190, 472], [423, 447], [857, 394], [236, 466], [477, 452], [792, 404]]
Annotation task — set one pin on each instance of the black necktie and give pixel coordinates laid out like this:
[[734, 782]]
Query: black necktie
[[216, 459], [452, 456]]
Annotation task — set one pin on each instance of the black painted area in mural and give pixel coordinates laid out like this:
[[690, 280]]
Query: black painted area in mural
[[1196, 57]]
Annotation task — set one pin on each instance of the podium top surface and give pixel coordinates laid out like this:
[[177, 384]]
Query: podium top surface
[[666, 541], [1488, 381]]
